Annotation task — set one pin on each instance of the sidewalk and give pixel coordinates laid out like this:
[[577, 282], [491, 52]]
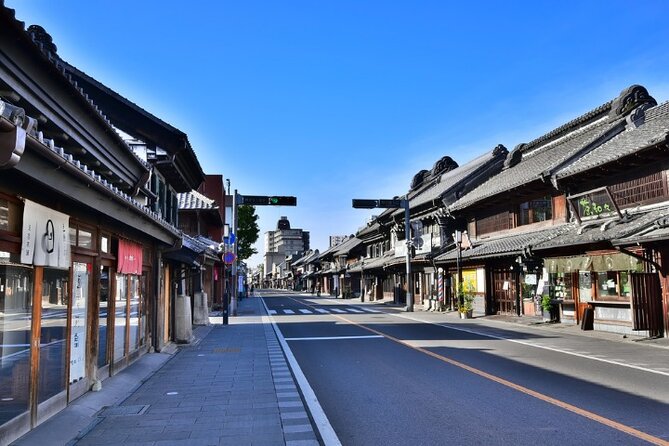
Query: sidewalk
[[231, 387], [533, 322]]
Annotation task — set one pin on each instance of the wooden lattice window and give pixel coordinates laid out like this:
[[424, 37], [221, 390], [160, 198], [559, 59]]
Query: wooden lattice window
[[640, 190], [493, 223]]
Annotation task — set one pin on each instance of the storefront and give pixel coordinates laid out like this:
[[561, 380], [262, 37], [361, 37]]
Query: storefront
[[603, 282]]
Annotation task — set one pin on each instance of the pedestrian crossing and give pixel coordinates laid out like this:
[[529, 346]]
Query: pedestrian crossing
[[323, 310]]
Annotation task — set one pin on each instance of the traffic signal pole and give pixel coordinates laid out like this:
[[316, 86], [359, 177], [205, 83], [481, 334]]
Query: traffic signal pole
[[395, 204]]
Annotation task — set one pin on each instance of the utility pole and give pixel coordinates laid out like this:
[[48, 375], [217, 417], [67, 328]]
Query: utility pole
[[234, 250]]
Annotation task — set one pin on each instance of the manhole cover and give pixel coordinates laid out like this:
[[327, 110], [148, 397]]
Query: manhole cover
[[117, 411]]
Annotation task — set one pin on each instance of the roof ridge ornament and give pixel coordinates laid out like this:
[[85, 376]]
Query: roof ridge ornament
[[629, 99], [40, 35]]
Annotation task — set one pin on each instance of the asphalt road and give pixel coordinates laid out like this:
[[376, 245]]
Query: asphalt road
[[386, 379]]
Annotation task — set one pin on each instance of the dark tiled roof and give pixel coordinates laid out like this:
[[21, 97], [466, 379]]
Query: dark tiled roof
[[347, 246], [655, 129], [194, 200], [449, 180], [604, 230], [506, 245], [537, 160]]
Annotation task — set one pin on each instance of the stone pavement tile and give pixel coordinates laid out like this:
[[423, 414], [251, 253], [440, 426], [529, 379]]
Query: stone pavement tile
[[302, 443], [207, 433], [292, 436], [294, 415]]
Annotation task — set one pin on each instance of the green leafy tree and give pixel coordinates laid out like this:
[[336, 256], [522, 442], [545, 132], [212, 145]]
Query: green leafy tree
[[247, 231]]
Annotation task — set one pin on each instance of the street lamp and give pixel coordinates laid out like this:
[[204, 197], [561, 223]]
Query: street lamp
[[458, 243], [362, 280]]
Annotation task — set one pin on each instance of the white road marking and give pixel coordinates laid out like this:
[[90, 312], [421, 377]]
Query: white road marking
[[288, 311], [305, 311], [272, 311], [368, 310], [355, 310], [337, 310], [334, 338], [593, 357], [320, 310], [323, 425]]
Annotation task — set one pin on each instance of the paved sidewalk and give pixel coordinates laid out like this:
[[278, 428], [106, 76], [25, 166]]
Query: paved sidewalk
[[233, 387]]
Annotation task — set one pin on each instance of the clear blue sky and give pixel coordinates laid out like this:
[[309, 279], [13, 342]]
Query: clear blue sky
[[334, 100]]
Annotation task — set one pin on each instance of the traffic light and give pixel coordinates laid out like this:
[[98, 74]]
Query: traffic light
[[282, 201], [264, 200]]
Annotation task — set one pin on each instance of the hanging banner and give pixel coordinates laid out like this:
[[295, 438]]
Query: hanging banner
[[45, 237], [129, 257]]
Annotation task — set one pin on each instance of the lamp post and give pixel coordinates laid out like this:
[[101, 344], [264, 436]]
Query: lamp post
[[458, 243], [362, 280]]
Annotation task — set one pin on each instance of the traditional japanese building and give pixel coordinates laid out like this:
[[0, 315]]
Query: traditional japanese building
[[84, 289]]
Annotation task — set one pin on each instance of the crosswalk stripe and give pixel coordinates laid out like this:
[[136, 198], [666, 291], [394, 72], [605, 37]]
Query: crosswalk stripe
[[369, 310], [289, 311], [305, 311], [320, 310], [272, 312], [337, 310], [355, 310]]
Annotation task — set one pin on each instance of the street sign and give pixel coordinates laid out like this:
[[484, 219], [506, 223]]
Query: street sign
[[371, 204], [268, 200], [229, 258]]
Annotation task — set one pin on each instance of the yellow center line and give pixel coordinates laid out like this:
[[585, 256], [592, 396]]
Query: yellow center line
[[564, 405]]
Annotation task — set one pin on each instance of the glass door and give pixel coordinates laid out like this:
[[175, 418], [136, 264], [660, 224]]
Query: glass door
[[103, 317], [16, 288], [120, 315], [52, 365]]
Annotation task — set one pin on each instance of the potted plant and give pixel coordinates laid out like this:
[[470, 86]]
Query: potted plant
[[466, 307], [547, 308]]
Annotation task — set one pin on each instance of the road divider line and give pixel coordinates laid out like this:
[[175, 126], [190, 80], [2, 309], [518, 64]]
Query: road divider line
[[529, 344], [325, 429], [334, 338], [538, 395]]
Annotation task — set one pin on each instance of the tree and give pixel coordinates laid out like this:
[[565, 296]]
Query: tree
[[247, 231]]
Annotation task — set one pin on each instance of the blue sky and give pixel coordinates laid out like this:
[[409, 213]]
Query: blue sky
[[334, 100]]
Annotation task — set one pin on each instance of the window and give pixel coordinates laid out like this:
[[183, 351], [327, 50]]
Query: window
[[640, 190], [83, 237], [613, 285], [493, 223], [535, 211], [10, 216]]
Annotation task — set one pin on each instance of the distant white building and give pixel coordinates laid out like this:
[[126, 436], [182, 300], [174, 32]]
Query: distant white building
[[282, 242]]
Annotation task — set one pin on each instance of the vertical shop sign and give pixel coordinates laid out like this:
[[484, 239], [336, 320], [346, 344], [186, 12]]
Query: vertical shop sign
[[45, 237], [78, 322]]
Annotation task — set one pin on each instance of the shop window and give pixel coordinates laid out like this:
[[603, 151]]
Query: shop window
[[535, 211], [16, 287], [82, 237], [560, 285], [103, 316], [10, 216], [53, 339], [104, 243], [613, 285], [120, 315]]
